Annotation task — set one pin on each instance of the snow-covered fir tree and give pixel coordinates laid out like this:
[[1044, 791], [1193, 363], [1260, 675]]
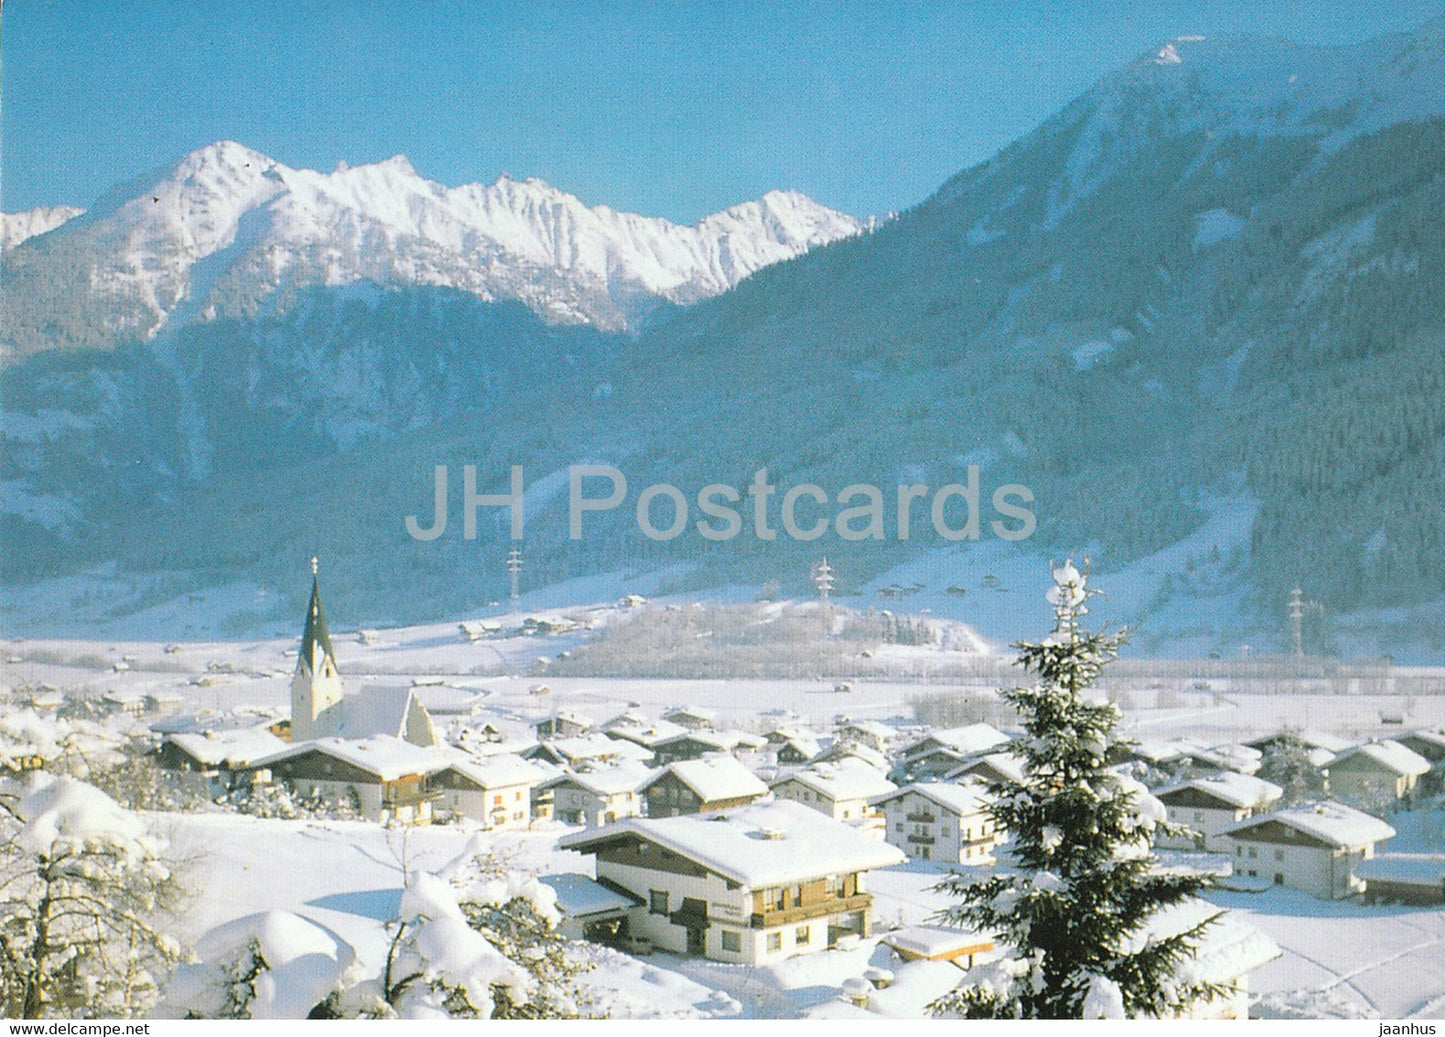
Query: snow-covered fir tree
[[1073, 911]]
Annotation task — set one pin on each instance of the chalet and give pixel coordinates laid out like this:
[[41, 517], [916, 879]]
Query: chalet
[[852, 751], [941, 751], [692, 718], [562, 725], [597, 796], [639, 730], [940, 821], [495, 790], [1207, 806], [1429, 744], [218, 761], [594, 749], [1315, 848], [1406, 878], [383, 777], [995, 767], [751, 885], [842, 790], [795, 751], [1377, 773], [700, 786], [876, 736], [1313, 741], [691, 745]]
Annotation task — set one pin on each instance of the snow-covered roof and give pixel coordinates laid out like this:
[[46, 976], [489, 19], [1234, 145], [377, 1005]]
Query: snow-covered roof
[[759, 845], [969, 798], [1431, 738], [852, 750], [597, 746], [386, 757], [849, 778], [378, 710], [1329, 821], [936, 941], [491, 772], [715, 740], [713, 778], [1411, 869], [1309, 738], [972, 738], [691, 713], [582, 897], [805, 747], [624, 776], [240, 746], [874, 728], [445, 700], [1007, 764], [1239, 790], [1389, 754]]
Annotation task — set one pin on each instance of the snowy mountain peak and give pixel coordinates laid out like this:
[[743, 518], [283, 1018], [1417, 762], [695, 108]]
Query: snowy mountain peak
[[227, 227]]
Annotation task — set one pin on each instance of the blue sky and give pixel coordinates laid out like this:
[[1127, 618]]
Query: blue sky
[[666, 108]]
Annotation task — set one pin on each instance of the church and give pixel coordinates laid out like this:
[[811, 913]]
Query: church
[[320, 707]]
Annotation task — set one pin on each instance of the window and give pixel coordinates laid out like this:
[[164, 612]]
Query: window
[[518, 796], [944, 832], [1199, 815], [1239, 851], [780, 899], [658, 904], [797, 896], [800, 934], [775, 941], [1253, 852], [732, 941], [1279, 855], [898, 826]]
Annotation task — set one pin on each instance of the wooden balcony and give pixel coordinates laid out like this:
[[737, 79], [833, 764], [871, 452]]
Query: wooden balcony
[[914, 837], [817, 909], [921, 817]]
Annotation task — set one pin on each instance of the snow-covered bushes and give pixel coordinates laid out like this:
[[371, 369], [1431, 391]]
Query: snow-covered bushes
[[272, 965], [81, 885]]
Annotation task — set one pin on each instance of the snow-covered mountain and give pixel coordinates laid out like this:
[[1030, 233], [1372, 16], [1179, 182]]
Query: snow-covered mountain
[[229, 232]]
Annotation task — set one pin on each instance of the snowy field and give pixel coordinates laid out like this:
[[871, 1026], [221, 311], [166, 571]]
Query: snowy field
[[1343, 960]]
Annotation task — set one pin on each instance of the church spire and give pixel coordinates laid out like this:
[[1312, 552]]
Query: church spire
[[316, 692], [315, 637]]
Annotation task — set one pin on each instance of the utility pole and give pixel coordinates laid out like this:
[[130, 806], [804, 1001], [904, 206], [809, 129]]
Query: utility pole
[[1296, 623], [823, 578], [514, 566]]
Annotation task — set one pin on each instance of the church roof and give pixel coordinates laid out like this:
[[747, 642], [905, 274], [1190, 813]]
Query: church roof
[[315, 635]]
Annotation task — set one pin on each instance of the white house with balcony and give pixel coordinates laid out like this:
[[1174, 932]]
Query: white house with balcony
[[495, 790], [1315, 847], [752, 885], [940, 821], [1207, 806], [842, 790]]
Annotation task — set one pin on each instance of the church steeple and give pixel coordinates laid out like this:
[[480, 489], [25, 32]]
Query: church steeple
[[316, 651], [316, 685]]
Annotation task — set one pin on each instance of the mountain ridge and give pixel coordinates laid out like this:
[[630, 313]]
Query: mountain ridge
[[229, 231]]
